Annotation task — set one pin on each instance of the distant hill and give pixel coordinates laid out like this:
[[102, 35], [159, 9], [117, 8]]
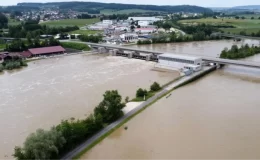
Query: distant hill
[[96, 6], [249, 7]]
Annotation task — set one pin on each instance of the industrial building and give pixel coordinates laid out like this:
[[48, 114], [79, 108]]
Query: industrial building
[[148, 19], [180, 62]]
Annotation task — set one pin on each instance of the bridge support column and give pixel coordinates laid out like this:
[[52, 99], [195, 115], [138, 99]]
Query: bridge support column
[[148, 57], [102, 50], [113, 52], [130, 55]]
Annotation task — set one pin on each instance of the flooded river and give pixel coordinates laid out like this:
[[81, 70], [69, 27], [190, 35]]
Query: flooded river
[[216, 117], [50, 90]]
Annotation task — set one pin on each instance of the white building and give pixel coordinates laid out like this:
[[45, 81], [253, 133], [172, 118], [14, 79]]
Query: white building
[[129, 37], [143, 23], [148, 19], [180, 62], [109, 22], [145, 30]]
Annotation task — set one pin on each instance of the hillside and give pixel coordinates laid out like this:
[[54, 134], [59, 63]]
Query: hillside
[[96, 7], [249, 7]]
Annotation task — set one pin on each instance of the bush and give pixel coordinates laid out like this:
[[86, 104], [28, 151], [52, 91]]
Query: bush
[[155, 87], [73, 45], [141, 92]]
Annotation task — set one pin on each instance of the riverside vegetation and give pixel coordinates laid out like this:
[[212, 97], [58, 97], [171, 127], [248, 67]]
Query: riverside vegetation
[[53, 143], [143, 94], [236, 53]]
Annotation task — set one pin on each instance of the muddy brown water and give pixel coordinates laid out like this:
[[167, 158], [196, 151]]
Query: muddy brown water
[[50, 90], [216, 117]]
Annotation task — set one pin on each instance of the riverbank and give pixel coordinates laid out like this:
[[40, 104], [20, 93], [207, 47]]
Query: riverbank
[[83, 148]]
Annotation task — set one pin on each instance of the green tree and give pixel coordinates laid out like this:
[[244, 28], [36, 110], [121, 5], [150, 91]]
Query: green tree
[[252, 17], [29, 38], [41, 145], [155, 87], [141, 92], [110, 107]]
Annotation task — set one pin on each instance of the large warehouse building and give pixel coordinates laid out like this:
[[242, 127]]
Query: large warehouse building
[[180, 62]]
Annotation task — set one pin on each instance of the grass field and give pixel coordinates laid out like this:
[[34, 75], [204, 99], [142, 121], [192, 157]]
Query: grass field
[[247, 25], [125, 11], [71, 22], [2, 47], [13, 22], [85, 32]]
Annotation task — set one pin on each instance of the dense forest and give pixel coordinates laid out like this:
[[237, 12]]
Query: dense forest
[[95, 6]]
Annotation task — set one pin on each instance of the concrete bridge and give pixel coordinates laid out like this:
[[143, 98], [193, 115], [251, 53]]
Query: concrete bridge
[[235, 36], [152, 55]]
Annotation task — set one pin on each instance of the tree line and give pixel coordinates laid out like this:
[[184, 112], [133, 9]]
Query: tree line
[[84, 6], [90, 38], [3, 21], [53, 143], [173, 37], [35, 29], [19, 45], [236, 53]]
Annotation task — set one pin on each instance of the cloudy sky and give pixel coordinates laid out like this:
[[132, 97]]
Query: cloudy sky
[[205, 3]]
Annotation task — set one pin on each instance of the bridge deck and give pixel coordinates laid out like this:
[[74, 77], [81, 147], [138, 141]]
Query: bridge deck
[[204, 58]]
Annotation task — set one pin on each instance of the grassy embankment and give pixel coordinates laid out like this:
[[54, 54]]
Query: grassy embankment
[[141, 110], [247, 25], [77, 46]]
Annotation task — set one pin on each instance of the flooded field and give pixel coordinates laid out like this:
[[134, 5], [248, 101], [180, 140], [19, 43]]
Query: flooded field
[[50, 90]]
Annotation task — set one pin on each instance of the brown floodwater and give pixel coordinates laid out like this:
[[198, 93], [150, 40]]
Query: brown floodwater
[[200, 48], [49, 90], [215, 117]]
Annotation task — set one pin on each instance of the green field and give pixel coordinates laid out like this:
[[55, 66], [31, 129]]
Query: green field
[[70, 22], [2, 47], [13, 22], [247, 25], [248, 16], [125, 11], [85, 32]]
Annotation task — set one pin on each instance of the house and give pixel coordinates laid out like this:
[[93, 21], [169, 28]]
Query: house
[[46, 51]]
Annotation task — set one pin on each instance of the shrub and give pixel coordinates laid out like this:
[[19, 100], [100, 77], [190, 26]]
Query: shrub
[[155, 87], [141, 92]]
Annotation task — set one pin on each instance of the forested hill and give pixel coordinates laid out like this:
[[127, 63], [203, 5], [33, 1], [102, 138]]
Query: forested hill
[[85, 6]]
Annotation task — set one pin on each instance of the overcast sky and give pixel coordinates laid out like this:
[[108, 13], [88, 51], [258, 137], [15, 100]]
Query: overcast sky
[[205, 3]]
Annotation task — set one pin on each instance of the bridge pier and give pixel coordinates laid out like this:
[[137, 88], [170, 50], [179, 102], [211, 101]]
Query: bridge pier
[[148, 57], [102, 50], [113, 52], [130, 55]]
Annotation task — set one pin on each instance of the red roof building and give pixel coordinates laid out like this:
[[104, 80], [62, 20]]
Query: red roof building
[[47, 50], [26, 54]]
